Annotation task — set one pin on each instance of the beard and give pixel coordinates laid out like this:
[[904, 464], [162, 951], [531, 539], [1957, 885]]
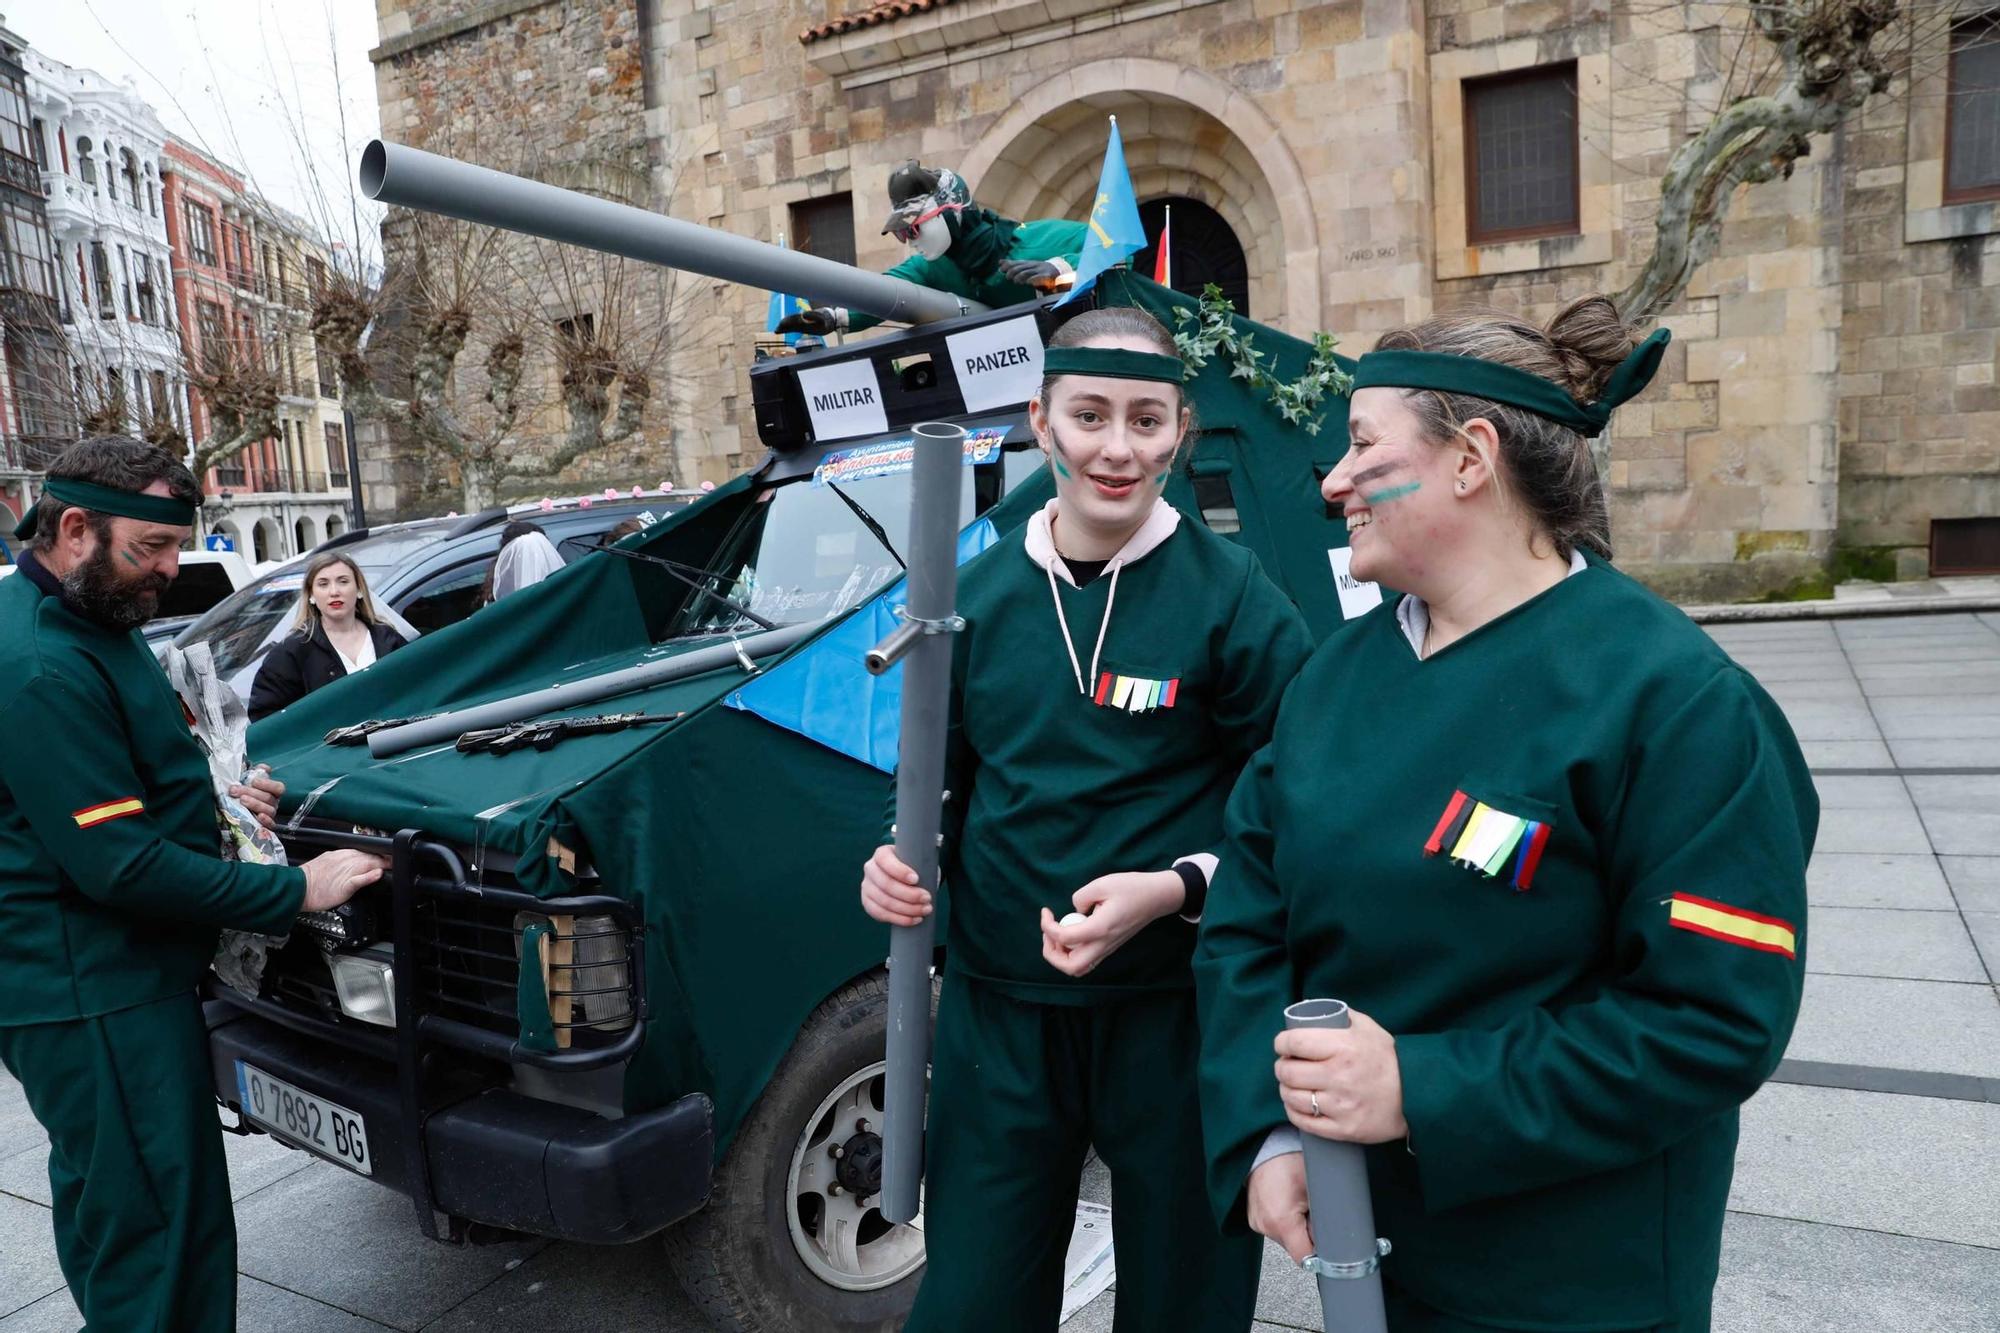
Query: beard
[[99, 593]]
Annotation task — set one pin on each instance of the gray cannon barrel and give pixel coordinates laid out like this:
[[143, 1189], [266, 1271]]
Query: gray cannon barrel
[[396, 174], [924, 645], [589, 690], [1343, 1214]]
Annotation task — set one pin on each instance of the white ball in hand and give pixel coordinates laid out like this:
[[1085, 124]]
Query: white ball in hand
[[1073, 919]]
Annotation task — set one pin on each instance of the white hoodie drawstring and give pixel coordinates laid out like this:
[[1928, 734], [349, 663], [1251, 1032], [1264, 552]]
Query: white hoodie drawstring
[[1110, 597]]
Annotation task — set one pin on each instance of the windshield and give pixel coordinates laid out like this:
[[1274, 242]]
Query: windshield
[[803, 553]]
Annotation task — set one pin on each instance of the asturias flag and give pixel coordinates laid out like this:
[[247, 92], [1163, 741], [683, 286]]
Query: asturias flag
[[1115, 234]]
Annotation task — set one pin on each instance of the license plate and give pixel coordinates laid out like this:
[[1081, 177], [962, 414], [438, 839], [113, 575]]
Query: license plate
[[300, 1118]]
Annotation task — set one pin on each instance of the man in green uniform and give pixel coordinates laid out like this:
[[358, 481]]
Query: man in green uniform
[[112, 888], [961, 248]]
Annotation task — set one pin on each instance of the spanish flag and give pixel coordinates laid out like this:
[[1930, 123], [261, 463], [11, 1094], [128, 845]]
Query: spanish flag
[[1720, 921], [92, 815]]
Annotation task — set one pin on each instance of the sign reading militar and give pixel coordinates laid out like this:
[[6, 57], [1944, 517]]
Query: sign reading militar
[[844, 400], [999, 365]]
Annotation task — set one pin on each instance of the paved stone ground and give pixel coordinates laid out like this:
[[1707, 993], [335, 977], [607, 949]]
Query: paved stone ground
[[1867, 1195]]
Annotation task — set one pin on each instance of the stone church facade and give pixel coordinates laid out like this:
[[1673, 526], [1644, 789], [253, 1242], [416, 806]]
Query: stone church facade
[[1830, 401]]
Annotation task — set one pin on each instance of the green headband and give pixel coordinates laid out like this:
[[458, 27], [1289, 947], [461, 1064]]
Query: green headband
[[1113, 363], [109, 500], [1469, 375]]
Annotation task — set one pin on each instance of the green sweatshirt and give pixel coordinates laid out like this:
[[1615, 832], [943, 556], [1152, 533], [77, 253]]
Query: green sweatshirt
[[111, 881], [1054, 785], [1050, 238], [1573, 1050]]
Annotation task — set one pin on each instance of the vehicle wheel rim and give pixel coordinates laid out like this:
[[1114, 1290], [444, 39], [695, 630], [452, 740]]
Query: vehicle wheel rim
[[841, 1236]]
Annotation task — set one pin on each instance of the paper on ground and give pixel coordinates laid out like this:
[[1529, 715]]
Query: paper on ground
[[1090, 1265]]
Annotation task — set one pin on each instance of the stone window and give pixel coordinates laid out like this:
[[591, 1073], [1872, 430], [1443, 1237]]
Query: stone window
[[39, 141], [1972, 115], [86, 163], [27, 255], [1521, 170], [825, 227], [1520, 154]]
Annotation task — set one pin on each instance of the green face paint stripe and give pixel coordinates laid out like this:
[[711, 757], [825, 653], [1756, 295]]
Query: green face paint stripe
[[1061, 471], [130, 559], [1161, 480], [1393, 493]]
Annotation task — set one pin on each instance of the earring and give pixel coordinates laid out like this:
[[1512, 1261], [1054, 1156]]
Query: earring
[[1461, 488]]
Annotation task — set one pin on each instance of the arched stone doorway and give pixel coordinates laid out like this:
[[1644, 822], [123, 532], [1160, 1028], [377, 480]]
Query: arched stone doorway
[[303, 530], [1188, 136], [267, 540], [335, 525], [1203, 250]]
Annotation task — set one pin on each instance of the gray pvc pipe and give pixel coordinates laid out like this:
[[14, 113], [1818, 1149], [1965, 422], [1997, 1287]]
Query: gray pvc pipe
[[1342, 1212], [396, 174], [920, 796], [591, 689]]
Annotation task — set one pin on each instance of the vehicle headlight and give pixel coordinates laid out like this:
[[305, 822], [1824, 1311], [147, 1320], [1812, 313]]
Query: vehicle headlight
[[585, 974], [366, 984]]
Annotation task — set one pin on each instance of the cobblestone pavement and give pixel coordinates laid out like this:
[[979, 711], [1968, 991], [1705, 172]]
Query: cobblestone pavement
[[1867, 1195]]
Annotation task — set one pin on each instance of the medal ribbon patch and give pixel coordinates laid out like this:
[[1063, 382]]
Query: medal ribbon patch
[[1135, 694], [1719, 921], [92, 815], [1480, 837]]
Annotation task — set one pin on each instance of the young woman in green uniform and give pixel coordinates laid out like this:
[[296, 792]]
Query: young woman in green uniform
[[1545, 838], [1119, 665]]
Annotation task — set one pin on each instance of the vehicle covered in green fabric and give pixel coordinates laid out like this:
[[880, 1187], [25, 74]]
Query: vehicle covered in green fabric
[[622, 985]]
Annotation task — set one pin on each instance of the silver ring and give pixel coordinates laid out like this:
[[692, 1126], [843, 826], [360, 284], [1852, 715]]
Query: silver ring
[[1313, 1101]]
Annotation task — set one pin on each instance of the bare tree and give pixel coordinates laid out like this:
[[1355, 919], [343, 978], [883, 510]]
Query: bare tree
[[1799, 68], [522, 358]]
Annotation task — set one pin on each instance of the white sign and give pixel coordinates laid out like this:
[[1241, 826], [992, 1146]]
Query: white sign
[[1356, 598], [844, 400], [999, 365]]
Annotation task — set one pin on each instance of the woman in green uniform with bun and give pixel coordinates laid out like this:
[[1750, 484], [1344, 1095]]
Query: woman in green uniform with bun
[[1541, 834], [1119, 665]]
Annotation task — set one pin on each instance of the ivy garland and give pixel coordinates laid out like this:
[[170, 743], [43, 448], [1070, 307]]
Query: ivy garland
[[1214, 329]]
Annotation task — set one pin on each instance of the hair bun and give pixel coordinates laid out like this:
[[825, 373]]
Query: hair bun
[[1592, 339]]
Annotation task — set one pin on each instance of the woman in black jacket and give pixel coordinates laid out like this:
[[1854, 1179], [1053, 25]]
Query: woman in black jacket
[[336, 633]]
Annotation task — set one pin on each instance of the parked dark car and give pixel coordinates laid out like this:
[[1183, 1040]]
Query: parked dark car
[[430, 572]]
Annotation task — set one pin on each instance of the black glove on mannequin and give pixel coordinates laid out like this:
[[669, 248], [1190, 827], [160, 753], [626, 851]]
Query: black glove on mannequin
[[1037, 273], [821, 320]]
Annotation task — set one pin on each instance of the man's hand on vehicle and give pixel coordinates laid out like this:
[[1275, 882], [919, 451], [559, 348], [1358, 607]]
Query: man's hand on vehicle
[[334, 877], [819, 319], [890, 892]]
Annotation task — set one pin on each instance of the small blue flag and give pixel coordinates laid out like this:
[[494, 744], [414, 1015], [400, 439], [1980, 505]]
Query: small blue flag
[[782, 305], [1115, 232]]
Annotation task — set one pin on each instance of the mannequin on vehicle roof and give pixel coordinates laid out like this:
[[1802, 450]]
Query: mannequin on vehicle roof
[[960, 248]]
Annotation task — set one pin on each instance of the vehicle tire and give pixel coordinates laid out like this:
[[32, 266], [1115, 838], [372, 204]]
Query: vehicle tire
[[781, 1248]]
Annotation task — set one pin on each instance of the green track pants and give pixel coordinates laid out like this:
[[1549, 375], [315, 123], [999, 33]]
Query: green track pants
[[144, 1229], [1019, 1093]]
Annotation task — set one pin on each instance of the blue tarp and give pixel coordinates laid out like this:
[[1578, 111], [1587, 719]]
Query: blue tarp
[[825, 693]]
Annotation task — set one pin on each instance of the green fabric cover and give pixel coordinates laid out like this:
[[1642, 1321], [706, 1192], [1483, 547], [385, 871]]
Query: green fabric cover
[[109, 500], [143, 1225], [1019, 1092], [1571, 1062], [1050, 238], [531, 993], [112, 883], [1050, 789], [1450, 373]]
